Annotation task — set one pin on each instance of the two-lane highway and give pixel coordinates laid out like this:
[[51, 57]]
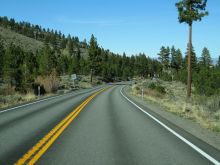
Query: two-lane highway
[[107, 130], [22, 127]]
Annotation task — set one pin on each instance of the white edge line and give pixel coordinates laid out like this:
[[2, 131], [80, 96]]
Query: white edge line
[[173, 132], [20, 106]]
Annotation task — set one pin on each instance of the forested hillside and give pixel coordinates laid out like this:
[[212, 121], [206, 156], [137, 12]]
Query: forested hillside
[[29, 53], [57, 54]]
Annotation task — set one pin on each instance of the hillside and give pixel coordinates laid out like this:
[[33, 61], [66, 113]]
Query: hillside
[[26, 43], [22, 68], [29, 44]]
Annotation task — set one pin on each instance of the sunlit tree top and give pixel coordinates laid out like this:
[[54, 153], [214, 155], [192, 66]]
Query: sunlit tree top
[[191, 10]]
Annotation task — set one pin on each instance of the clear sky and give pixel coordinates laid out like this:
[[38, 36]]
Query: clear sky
[[129, 26]]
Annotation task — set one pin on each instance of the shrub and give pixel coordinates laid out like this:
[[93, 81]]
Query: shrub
[[207, 83], [137, 88], [166, 77], [98, 83], [50, 83], [157, 87], [152, 86], [160, 89]]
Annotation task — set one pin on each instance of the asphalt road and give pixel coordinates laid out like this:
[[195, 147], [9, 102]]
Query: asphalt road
[[109, 130]]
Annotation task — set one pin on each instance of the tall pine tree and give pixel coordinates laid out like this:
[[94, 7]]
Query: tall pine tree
[[94, 56], [190, 11]]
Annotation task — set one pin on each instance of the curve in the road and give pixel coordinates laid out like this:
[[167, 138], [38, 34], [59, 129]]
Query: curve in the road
[[109, 130], [200, 151]]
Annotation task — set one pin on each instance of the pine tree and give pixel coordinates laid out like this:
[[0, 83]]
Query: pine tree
[[218, 63], [71, 65], [94, 57], [78, 57], [52, 60], [43, 61], [62, 41], [70, 45], [176, 62], [84, 66], [142, 65], [178, 59], [205, 59], [7, 70], [18, 57], [12, 60], [2, 52], [190, 11], [193, 58], [164, 57]]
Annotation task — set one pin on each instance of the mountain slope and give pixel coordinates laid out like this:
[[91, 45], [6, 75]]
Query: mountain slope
[[26, 43]]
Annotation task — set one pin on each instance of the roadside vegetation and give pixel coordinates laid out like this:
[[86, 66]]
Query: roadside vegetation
[[171, 96], [51, 85], [16, 98], [172, 89], [32, 56]]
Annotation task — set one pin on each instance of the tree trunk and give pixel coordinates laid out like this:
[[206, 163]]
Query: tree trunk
[[189, 80]]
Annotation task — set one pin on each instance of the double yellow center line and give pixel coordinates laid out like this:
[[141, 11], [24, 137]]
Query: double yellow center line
[[41, 147]]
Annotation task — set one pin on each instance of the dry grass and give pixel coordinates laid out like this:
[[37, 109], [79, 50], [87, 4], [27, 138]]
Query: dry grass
[[11, 100], [50, 83], [85, 85], [83, 82], [29, 97], [201, 109], [9, 97]]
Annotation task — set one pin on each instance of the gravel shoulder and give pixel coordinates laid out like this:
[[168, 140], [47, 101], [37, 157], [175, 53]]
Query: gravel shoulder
[[212, 138]]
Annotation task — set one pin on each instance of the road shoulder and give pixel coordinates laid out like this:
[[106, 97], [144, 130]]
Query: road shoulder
[[211, 138]]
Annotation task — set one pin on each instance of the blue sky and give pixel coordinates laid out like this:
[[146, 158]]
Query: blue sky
[[130, 26]]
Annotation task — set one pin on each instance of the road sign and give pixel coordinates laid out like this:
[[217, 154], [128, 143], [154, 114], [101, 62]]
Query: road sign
[[73, 76]]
